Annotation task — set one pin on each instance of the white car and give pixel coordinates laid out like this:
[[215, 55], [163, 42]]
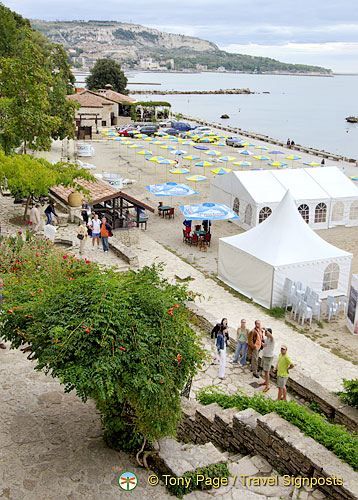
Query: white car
[[202, 130]]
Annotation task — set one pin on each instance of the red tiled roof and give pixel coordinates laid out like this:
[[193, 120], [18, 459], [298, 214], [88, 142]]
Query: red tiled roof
[[115, 96], [89, 99]]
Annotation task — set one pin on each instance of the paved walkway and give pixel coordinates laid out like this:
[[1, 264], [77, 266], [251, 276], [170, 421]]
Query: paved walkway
[[310, 358]]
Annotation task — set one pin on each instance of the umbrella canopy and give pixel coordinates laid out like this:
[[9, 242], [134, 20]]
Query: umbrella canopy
[[263, 148], [311, 164], [276, 152], [179, 171], [212, 152], [246, 152], [205, 139], [262, 158], [247, 144], [227, 158], [145, 152], [354, 178], [134, 146], [242, 163], [202, 148], [196, 178], [158, 143], [140, 136], [156, 158], [219, 144], [191, 157], [127, 143], [171, 189], [293, 157], [220, 170], [208, 211], [178, 152], [188, 143], [148, 139], [277, 164], [165, 161], [168, 146]]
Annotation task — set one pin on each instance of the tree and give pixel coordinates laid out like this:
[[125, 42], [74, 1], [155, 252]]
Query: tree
[[24, 102], [107, 71], [11, 31], [123, 340], [27, 176]]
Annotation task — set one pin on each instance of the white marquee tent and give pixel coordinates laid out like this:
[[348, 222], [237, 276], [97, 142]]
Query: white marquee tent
[[325, 197], [256, 262]]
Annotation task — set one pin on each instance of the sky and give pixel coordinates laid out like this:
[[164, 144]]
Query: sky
[[319, 32]]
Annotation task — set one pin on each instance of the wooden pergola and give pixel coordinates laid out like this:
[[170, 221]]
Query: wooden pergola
[[106, 202]]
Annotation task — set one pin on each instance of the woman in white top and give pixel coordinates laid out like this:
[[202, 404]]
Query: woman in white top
[[221, 344], [96, 230], [267, 357]]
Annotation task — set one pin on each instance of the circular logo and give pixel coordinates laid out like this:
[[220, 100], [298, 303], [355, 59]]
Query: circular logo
[[127, 481]]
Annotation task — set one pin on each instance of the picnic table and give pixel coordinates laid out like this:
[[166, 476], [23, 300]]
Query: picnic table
[[166, 210]]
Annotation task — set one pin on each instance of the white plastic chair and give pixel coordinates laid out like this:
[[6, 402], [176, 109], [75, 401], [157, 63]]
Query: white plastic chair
[[305, 313], [315, 305], [296, 301], [307, 292], [342, 304], [287, 293], [331, 308], [298, 285]]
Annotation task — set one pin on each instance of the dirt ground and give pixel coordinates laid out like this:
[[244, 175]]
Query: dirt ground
[[110, 156]]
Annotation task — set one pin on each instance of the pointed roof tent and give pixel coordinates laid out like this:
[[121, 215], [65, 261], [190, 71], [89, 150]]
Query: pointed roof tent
[[284, 238], [334, 182]]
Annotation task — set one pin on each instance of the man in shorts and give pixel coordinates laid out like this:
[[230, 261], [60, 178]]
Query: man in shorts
[[283, 365], [96, 230], [267, 357]]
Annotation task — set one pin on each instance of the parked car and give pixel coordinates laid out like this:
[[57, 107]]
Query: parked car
[[125, 132], [203, 130], [181, 126], [235, 142], [149, 128], [171, 131], [166, 124]]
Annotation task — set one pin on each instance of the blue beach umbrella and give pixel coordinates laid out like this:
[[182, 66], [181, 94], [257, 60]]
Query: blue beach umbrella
[[311, 164], [202, 148], [246, 152], [242, 163], [220, 170], [171, 189], [277, 164], [208, 211], [178, 152]]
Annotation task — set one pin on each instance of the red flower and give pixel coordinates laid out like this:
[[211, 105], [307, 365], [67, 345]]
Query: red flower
[[64, 256], [170, 312], [29, 222], [19, 232], [161, 381], [11, 311], [122, 349], [177, 306], [87, 331], [71, 279]]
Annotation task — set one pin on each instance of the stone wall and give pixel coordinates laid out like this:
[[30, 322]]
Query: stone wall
[[282, 444], [305, 387]]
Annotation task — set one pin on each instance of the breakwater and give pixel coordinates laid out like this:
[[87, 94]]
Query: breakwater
[[261, 137], [196, 92]]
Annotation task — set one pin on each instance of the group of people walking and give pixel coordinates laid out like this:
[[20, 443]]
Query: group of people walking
[[250, 343]]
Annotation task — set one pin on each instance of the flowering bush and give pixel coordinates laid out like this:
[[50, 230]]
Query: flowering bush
[[104, 334]]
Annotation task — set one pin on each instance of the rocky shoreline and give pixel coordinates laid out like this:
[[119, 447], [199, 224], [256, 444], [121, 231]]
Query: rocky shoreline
[[181, 92]]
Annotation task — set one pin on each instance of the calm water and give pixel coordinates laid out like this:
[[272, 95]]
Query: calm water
[[309, 110]]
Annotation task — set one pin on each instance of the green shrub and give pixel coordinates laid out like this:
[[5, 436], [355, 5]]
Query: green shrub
[[334, 437], [121, 339], [277, 312], [350, 393]]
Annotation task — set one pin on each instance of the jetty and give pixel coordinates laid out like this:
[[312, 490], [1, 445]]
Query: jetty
[[197, 92]]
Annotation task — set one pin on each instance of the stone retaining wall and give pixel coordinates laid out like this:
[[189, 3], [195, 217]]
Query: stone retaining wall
[[283, 445], [305, 387]]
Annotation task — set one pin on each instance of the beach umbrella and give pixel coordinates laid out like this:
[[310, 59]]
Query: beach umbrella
[[247, 144], [188, 143], [262, 158], [246, 152], [354, 178], [221, 144], [178, 152], [191, 157], [220, 170], [196, 178], [134, 146], [203, 164], [311, 164], [171, 189], [179, 171], [155, 159], [168, 146], [242, 163], [226, 159], [274, 152], [263, 148], [208, 211], [293, 158], [277, 164], [201, 148], [212, 152], [140, 136], [127, 143], [145, 153], [166, 162]]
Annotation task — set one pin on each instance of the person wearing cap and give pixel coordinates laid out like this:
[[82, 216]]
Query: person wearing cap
[[284, 364], [267, 357]]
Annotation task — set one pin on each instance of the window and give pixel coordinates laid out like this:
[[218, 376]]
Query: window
[[305, 212], [320, 213], [353, 212], [248, 214], [331, 277], [338, 211], [264, 213], [236, 207], [104, 123]]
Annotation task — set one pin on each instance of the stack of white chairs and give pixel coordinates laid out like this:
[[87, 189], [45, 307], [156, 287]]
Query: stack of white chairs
[[332, 308]]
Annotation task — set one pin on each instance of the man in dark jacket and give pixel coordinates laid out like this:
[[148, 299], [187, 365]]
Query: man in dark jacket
[[49, 211]]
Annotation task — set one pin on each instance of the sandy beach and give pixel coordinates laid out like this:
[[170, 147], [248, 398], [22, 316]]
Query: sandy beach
[[112, 156]]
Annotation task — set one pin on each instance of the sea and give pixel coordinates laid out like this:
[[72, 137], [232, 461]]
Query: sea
[[310, 110]]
